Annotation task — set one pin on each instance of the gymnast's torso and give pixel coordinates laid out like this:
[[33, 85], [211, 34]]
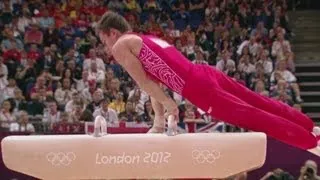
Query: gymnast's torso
[[164, 63]]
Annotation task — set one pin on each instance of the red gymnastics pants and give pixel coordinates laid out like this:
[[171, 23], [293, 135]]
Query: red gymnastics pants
[[228, 101]]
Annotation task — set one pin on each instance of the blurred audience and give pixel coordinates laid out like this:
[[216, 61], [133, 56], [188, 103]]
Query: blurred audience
[[309, 171], [53, 62]]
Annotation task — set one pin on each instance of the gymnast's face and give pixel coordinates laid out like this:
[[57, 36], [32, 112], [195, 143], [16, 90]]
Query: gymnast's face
[[109, 39]]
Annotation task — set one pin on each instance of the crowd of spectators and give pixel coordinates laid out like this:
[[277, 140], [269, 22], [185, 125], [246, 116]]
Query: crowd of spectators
[[54, 70], [309, 171]]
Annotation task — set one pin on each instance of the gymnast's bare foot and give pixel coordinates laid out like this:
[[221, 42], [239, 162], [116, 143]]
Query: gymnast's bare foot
[[157, 130]]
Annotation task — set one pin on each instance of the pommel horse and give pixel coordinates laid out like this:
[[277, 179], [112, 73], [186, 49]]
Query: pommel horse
[[134, 156]]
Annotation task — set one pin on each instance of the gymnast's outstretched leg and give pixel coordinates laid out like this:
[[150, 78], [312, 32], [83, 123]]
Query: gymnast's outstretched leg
[[264, 103], [233, 110]]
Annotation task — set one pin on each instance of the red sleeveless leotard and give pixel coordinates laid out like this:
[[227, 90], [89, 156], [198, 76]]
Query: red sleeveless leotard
[[222, 97]]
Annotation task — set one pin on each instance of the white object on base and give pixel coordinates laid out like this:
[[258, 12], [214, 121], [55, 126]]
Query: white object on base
[[100, 126], [135, 156]]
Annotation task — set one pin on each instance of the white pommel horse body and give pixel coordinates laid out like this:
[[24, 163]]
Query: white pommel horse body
[[134, 156]]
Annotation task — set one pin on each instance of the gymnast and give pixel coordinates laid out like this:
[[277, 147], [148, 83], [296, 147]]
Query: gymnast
[[152, 62]]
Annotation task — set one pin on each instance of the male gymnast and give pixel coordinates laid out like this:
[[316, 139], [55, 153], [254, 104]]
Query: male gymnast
[[151, 62]]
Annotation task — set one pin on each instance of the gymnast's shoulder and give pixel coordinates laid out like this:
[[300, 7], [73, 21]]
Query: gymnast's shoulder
[[129, 42]]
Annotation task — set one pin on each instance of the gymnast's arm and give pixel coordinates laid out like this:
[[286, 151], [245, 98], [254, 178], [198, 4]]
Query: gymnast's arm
[[123, 53]]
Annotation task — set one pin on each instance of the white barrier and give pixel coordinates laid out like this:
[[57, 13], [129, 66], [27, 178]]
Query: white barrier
[[134, 156]]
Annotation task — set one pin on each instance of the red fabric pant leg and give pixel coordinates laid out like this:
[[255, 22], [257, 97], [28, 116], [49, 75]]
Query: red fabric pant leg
[[265, 103], [228, 108]]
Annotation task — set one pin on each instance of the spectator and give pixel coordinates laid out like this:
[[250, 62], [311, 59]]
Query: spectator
[[34, 35], [26, 75], [115, 5], [118, 103], [261, 89], [19, 101], [64, 94], [99, 8], [151, 6], [63, 126], [137, 101], [309, 171], [51, 115], [261, 30], [8, 92], [109, 114], [3, 76], [181, 18], [281, 92], [59, 69], [48, 60], [148, 115], [22, 124], [93, 58], [6, 115], [173, 32], [40, 91], [237, 76], [24, 21], [190, 116], [152, 26], [188, 112], [289, 78], [88, 92], [69, 106], [80, 114], [132, 5], [96, 100], [55, 51], [46, 21], [226, 62], [129, 115], [9, 40], [83, 83], [280, 46], [212, 11], [112, 88], [259, 75], [34, 53], [252, 44], [266, 62], [96, 73], [12, 55], [245, 66], [275, 30], [289, 59]]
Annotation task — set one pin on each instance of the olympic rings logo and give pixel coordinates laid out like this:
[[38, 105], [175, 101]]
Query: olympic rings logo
[[205, 156], [60, 158]]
